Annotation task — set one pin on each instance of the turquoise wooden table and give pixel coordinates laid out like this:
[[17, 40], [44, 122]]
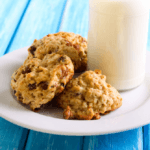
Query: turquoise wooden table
[[21, 21]]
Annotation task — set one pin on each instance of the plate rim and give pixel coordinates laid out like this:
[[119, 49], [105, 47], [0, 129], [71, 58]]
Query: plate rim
[[82, 131]]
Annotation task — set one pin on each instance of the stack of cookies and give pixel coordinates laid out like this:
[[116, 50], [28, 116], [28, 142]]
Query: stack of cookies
[[47, 73]]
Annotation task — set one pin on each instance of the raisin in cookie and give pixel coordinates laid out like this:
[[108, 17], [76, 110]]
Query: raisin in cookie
[[88, 96], [70, 44], [37, 81]]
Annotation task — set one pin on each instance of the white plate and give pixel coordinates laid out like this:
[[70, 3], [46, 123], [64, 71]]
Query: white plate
[[135, 111]]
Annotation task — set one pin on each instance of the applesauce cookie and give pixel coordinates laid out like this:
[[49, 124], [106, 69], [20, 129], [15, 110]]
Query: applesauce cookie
[[88, 96], [37, 81], [70, 44]]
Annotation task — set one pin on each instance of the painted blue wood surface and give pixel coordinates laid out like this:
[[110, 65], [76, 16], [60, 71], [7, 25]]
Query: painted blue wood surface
[[12, 136], [146, 137], [41, 18], [10, 15], [129, 140], [75, 18], [43, 141]]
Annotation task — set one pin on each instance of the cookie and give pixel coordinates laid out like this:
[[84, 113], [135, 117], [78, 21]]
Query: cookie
[[70, 44], [37, 81], [88, 96]]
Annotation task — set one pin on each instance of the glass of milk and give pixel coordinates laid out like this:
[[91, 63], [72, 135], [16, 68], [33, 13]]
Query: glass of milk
[[117, 40]]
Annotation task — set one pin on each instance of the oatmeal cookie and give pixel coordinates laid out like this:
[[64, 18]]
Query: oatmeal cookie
[[70, 44], [37, 81], [88, 96]]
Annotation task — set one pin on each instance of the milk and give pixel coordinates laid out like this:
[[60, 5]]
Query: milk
[[117, 40]]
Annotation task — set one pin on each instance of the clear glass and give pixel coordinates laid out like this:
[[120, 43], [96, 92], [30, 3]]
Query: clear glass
[[117, 40]]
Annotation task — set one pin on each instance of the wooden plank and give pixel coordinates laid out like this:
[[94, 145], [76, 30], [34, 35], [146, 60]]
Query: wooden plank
[[146, 129], [129, 140], [40, 141], [47, 141], [10, 15], [12, 136], [75, 18], [41, 18], [146, 137]]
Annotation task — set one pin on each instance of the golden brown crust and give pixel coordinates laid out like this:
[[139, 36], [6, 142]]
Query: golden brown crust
[[70, 44], [37, 81], [88, 96], [67, 113]]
